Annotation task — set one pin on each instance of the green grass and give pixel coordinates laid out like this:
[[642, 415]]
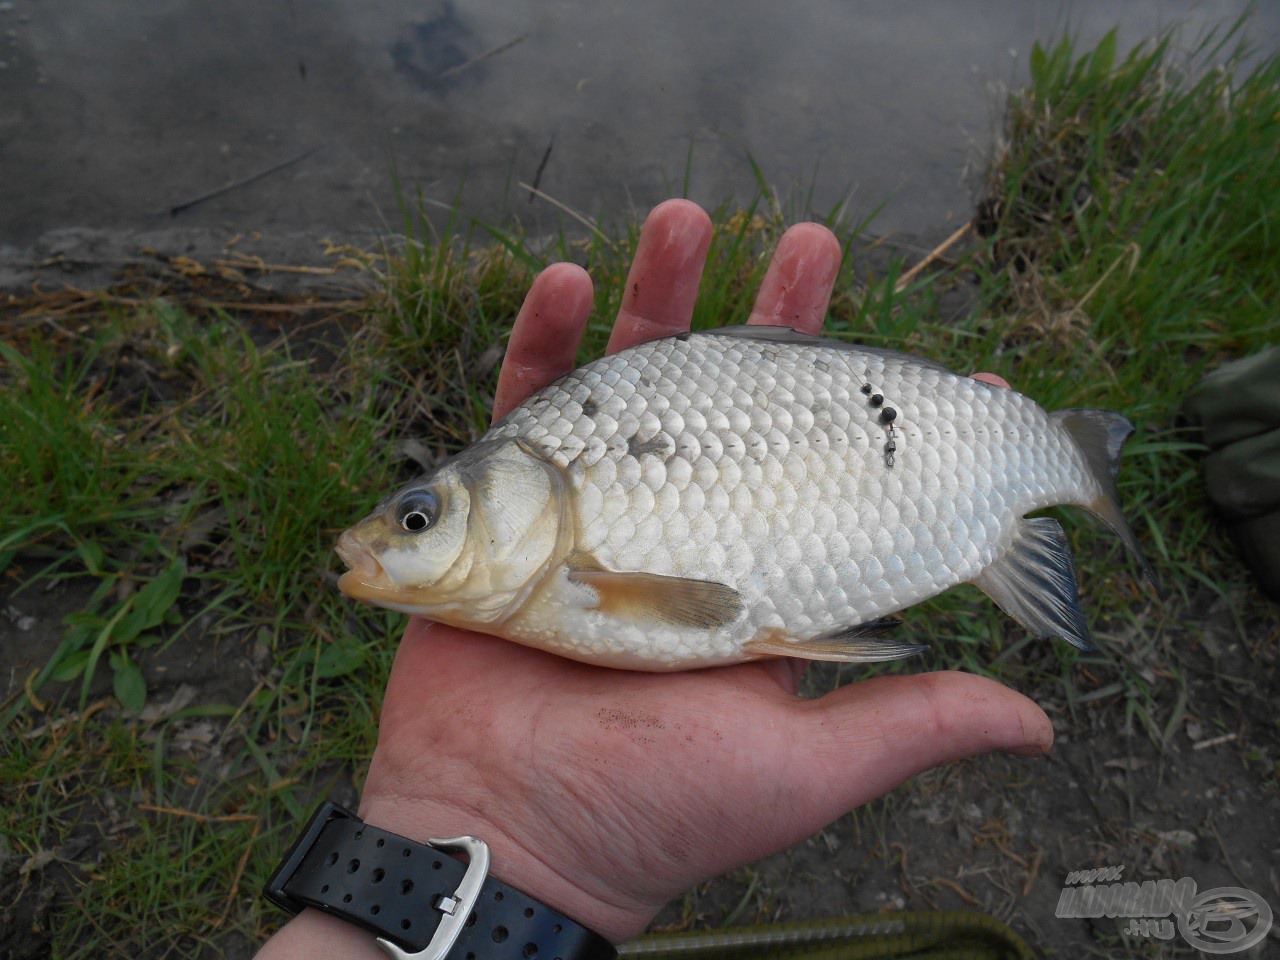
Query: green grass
[[185, 472]]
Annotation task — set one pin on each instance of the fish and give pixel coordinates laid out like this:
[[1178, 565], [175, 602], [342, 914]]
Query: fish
[[744, 493]]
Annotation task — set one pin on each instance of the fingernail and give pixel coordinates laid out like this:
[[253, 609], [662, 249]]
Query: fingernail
[[1030, 749]]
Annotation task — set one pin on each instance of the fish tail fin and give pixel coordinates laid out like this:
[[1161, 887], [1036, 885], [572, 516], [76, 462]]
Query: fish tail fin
[[1100, 435]]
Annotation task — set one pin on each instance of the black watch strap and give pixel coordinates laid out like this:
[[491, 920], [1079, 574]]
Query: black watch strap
[[420, 901]]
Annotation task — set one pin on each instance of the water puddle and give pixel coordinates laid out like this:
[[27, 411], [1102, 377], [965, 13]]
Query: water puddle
[[285, 115]]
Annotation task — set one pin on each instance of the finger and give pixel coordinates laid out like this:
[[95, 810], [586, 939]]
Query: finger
[[992, 379], [544, 339], [885, 730], [796, 289], [787, 672], [662, 284]]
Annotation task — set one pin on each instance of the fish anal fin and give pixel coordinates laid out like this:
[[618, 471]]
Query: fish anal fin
[[856, 644], [1035, 583], [655, 598], [872, 628]]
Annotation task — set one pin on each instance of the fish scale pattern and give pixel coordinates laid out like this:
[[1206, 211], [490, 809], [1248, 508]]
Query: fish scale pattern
[[761, 465]]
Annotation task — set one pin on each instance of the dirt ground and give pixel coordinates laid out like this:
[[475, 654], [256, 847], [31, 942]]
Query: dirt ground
[[997, 834]]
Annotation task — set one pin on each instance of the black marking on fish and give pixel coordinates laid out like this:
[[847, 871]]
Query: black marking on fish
[[659, 445], [589, 407]]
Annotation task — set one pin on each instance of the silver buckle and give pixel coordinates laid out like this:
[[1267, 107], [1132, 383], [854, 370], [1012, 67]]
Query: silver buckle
[[457, 908]]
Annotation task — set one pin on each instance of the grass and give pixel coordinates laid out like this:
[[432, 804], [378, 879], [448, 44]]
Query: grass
[[181, 474]]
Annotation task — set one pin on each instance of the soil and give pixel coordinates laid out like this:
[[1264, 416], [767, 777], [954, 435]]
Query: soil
[[206, 671], [997, 834]]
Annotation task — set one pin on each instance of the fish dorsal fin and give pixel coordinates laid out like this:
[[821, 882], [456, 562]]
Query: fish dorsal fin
[[860, 643], [1100, 435], [780, 334], [651, 597], [1035, 583]]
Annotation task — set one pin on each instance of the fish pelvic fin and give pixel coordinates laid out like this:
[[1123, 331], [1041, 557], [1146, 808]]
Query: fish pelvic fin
[[1035, 583], [650, 597], [860, 643], [1100, 435]]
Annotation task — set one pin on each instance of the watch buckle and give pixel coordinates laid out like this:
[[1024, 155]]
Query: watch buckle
[[456, 909]]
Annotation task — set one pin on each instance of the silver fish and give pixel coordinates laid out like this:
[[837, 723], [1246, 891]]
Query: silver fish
[[741, 493]]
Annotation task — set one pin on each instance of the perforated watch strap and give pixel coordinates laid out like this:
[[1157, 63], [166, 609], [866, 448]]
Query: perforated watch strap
[[400, 889]]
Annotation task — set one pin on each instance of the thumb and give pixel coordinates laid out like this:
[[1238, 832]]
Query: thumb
[[883, 731]]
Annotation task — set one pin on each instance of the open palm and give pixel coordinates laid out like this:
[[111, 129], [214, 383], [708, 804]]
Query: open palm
[[606, 793]]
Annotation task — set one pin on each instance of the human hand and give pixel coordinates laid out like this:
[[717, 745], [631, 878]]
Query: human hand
[[606, 793]]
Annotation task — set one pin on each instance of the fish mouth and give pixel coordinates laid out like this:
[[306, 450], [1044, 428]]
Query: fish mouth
[[365, 578]]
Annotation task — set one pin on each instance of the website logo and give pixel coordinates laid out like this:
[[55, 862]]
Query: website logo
[[1221, 920]]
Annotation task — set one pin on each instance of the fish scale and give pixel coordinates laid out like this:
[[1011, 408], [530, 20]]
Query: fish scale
[[743, 493], [782, 474]]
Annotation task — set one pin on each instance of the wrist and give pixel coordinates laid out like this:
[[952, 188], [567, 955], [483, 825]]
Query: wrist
[[313, 936], [541, 866], [402, 886]]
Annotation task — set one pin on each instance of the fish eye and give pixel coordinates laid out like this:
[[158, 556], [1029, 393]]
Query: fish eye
[[418, 510]]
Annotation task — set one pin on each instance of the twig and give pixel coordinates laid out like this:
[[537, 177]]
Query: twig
[[960, 891], [467, 65], [1226, 857], [904, 881], [584, 220], [1033, 871], [244, 705], [244, 862], [934, 254], [44, 314], [61, 259], [201, 817], [1214, 741], [116, 945], [28, 687], [537, 176], [243, 182], [1134, 251], [89, 299], [257, 263], [298, 307]]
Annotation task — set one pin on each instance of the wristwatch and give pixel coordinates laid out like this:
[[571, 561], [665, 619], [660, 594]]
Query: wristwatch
[[422, 903]]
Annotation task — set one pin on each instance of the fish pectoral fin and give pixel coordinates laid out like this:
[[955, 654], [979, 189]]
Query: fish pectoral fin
[[860, 643], [1035, 583], [669, 600]]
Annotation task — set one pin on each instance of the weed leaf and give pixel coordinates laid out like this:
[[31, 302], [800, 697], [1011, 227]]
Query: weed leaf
[[128, 683], [339, 659], [71, 666]]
